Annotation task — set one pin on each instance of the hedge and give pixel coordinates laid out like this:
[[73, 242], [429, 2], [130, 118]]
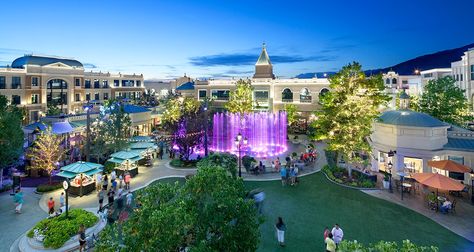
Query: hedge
[[384, 246], [49, 187], [59, 230]]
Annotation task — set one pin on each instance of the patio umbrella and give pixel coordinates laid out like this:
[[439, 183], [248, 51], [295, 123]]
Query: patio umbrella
[[438, 181], [449, 165]]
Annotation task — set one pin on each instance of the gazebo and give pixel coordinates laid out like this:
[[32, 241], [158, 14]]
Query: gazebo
[[133, 156], [81, 174]]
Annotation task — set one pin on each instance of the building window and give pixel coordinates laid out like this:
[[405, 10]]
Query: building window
[[322, 93], [56, 99], [78, 97], [461, 77], [286, 95], [127, 83], [34, 81], [221, 95], [139, 83], [57, 84], [96, 83], [116, 83], [34, 116], [106, 96], [16, 99], [2, 82], [387, 81], [16, 82], [472, 72], [87, 83], [428, 75], [96, 96], [261, 95], [394, 81], [202, 94], [88, 96], [305, 96], [78, 82], [404, 82], [105, 84], [34, 98]]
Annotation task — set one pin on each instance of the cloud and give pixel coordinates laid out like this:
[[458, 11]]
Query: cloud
[[242, 59], [89, 65]]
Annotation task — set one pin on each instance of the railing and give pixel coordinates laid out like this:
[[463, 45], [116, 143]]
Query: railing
[[287, 100]]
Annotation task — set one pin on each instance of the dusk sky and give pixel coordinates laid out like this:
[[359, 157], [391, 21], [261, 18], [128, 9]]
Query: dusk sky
[[165, 39]]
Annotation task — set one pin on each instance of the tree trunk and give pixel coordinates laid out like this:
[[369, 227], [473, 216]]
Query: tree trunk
[[50, 182], [1, 178]]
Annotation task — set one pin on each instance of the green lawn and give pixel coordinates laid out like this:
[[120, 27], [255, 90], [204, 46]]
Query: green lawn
[[316, 203]]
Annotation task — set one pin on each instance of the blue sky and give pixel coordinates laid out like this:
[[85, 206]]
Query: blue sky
[[165, 39]]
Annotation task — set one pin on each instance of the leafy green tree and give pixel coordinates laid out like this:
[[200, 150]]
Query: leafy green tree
[[208, 213], [240, 99], [444, 100], [111, 130], [348, 111], [291, 113], [53, 110], [11, 135], [184, 118], [226, 161]]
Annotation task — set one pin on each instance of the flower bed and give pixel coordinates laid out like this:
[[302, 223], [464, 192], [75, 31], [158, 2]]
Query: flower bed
[[178, 163], [341, 176], [49, 187], [58, 230], [405, 246]]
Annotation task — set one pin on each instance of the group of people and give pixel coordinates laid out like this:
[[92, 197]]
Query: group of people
[[51, 206], [120, 192], [445, 206], [331, 238], [289, 173], [123, 180]]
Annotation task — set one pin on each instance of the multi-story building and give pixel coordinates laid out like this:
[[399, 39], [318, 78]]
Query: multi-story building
[[463, 73], [269, 94], [34, 82]]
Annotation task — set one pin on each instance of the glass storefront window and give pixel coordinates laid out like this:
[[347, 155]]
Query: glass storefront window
[[413, 165]]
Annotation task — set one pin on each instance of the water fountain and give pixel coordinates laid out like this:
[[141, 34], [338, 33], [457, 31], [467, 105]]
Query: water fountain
[[265, 132]]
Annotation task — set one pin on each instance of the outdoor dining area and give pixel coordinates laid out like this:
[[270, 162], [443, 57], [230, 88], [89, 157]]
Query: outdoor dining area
[[81, 176], [440, 192]]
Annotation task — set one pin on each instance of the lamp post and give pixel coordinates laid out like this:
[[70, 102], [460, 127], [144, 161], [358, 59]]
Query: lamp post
[[239, 142], [390, 165], [87, 107], [66, 187]]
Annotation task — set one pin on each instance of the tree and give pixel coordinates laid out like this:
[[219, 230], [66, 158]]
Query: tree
[[348, 111], [111, 130], [46, 152], [184, 118], [444, 100], [226, 161], [11, 135], [208, 213], [291, 114], [53, 110], [240, 99]]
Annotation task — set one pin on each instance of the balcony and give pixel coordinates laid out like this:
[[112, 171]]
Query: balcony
[[287, 100]]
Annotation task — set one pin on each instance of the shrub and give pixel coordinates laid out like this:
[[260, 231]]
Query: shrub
[[247, 162], [59, 230], [109, 167], [49, 187], [178, 163], [331, 158], [383, 246]]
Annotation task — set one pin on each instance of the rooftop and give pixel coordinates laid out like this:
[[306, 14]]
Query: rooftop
[[44, 60], [410, 118]]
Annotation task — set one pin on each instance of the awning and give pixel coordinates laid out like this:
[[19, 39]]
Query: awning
[[66, 174], [61, 128], [126, 154], [141, 139], [143, 145], [92, 172], [119, 161], [81, 167], [449, 165]]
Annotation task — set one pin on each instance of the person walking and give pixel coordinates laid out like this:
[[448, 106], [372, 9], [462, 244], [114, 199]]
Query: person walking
[[127, 180], [114, 184], [337, 234], [283, 172], [129, 199], [280, 228], [113, 175], [51, 206], [330, 244], [101, 196], [105, 183], [82, 237], [161, 152], [18, 199], [259, 198], [120, 181], [120, 201], [61, 200], [326, 233], [110, 197], [98, 182]]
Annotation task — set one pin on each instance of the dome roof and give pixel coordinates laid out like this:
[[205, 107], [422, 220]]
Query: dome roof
[[410, 118], [42, 61]]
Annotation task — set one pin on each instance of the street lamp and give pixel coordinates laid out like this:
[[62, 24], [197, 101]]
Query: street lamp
[[390, 165], [87, 107], [238, 143], [66, 187]]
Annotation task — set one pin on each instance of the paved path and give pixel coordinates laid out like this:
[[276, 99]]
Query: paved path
[[14, 225]]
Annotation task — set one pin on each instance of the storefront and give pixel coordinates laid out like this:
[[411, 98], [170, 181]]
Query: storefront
[[81, 176]]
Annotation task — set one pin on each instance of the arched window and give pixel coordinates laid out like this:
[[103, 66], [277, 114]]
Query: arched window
[[305, 96], [394, 81], [57, 84], [286, 95], [387, 81]]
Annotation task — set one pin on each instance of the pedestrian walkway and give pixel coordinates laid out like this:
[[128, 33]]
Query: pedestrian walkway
[[13, 225]]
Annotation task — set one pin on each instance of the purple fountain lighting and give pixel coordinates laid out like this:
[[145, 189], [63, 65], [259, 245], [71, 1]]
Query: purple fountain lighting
[[265, 132]]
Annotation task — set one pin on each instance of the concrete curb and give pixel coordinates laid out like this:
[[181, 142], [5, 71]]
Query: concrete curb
[[167, 165]]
